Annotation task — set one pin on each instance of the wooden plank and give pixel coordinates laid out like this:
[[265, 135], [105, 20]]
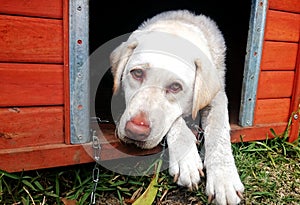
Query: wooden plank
[[40, 8], [279, 56], [295, 106], [117, 150], [275, 84], [54, 155], [286, 5], [40, 157], [31, 84], [257, 132], [25, 39], [271, 111], [66, 72], [21, 127], [282, 26]]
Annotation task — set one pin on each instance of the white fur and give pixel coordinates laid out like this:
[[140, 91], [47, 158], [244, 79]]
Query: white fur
[[178, 46]]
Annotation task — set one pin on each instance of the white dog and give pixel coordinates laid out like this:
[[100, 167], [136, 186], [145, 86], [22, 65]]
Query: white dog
[[171, 67]]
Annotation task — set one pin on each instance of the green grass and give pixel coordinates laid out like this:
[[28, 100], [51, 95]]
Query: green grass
[[270, 171]]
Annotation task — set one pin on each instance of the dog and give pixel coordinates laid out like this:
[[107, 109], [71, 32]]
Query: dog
[[171, 67]]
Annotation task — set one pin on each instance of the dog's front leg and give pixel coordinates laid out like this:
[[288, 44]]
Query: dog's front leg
[[185, 163], [223, 181]]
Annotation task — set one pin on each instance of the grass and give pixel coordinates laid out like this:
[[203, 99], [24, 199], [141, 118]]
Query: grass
[[270, 171]]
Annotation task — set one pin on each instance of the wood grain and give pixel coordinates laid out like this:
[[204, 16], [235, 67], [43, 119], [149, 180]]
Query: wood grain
[[286, 5], [272, 111], [295, 106], [40, 8], [279, 56], [275, 84], [25, 39], [54, 155], [40, 157], [22, 127], [31, 84], [282, 26], [257, 132], [67, 122]]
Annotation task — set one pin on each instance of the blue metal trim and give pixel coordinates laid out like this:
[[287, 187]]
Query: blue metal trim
[[79, 71], [252, 61]]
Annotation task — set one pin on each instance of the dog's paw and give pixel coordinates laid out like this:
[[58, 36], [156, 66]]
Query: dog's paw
[[223, 185], [186, 168]]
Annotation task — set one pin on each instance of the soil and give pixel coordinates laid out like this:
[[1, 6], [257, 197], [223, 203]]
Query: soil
[[174, 197], [179, 196]]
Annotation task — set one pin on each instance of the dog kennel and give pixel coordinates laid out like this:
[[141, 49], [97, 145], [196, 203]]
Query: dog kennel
[[49, 105]]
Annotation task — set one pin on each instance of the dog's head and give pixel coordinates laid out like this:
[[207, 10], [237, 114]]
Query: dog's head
[[164, 76]]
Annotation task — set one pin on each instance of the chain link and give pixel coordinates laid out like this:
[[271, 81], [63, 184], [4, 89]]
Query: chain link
[[96, 146], [96, 172], [200, 140]]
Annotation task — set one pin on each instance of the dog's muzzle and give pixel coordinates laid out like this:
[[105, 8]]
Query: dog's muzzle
[[138, 127]]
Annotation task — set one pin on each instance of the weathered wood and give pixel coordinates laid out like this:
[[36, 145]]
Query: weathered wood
[[22, 127], [275, 84], [285, 5], [279, 56], [282, 26], [25, 39], [31, 84], [272, 111], [40, 8]]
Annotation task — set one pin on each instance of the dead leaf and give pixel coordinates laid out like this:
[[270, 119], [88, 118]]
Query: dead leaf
[[68, 201]]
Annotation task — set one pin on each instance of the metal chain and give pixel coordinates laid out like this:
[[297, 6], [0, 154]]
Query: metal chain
[[96, 146], [200, 133], [96, 172], [200, 140], [164, 145]]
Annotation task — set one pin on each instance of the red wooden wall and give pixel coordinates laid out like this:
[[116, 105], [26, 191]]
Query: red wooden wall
[[33, 92], [31, 70], [278, 87], [277, 97], [278, 66]]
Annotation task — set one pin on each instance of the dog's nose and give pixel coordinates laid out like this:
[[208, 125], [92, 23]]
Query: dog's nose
[[138, 127]]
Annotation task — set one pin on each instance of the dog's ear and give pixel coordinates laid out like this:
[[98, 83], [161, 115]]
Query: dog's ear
[[118, 60], [206, 85]]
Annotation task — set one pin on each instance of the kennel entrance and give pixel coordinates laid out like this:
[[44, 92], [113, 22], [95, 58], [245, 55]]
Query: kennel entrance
[[249, 105], [128, 21], [246, 78]]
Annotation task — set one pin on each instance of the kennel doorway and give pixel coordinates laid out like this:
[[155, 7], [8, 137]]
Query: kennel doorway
[[127, 20], [245, 37], [244, 40]]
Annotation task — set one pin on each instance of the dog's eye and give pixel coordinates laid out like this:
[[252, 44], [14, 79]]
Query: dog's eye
[[174, 88], [137, 74]]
